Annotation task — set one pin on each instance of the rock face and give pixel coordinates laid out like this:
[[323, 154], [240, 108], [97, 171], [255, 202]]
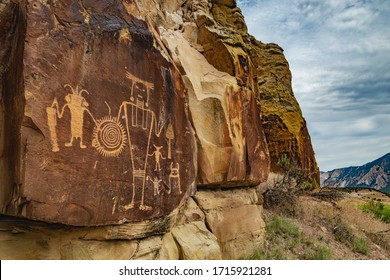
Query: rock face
[[113, 113], [12, 33], [375, 174], [217, 30], [284, 126], [232, 149], [103, 130], [234, 216], [224, 224]]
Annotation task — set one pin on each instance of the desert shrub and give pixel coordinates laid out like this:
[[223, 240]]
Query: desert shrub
[[319, 253], [284, 240], [380, 211], [283, 227], [294, 176], [281, 201], [344, 234], [360, 245], [308, 186]]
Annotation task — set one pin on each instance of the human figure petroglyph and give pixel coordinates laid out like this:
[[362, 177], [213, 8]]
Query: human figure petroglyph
[[134, 126], [174, 176], [141, 124], [156, 185], [77, 105], [52, 123], [158, 156], [134, 80]]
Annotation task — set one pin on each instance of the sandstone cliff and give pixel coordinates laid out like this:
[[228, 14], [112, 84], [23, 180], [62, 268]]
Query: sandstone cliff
[[217, 29], [137, 117]]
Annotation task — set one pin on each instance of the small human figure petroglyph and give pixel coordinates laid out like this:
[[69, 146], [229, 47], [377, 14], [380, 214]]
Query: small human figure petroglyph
[[174, 175], [156, 185], [158, 156]]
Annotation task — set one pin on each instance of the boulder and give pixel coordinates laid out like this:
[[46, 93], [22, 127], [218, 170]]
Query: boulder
[[234, 217], [196, 242], [169, 248], [148, 248], [240, 231], [23, 240]]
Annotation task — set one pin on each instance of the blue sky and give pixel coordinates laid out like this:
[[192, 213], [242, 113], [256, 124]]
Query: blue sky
[[339, 56]]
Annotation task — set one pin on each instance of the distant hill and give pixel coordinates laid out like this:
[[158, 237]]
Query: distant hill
[[375, 174]]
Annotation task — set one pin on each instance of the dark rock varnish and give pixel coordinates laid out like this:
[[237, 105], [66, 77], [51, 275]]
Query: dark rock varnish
[[105, 133]]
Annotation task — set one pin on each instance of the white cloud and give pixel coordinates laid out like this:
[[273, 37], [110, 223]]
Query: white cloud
[[353, 17], [339, 56]]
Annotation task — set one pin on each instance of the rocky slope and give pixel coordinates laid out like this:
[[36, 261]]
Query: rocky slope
[[326, 224], [375, 174], [132, 120]]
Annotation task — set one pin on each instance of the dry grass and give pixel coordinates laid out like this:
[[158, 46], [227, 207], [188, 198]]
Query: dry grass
[[327, 229], [286, 241]]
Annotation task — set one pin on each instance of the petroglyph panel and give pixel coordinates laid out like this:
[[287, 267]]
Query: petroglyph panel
[[113, 141]]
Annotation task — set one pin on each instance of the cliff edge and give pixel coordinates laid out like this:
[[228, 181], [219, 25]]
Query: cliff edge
[[151, 123]]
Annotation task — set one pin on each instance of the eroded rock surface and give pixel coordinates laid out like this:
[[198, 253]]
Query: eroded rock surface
[[112, 112], [218, 31], [234, 216], [224, 224], [105, 135], [284, 126], [231, 143]]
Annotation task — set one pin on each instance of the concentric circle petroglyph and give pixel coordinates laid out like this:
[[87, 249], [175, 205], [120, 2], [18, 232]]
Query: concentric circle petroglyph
[[109, 137]]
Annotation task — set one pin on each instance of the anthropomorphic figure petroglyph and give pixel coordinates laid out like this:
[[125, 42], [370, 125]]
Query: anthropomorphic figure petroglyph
[[141, 123], [158, 156], [77, 105], [174, 176], [156, 185]]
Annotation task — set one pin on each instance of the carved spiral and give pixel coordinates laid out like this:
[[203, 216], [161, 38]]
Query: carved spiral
[[109, 137]]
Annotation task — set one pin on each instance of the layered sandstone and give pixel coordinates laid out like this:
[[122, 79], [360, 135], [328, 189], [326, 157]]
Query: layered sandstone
[[113, 113], [218, 31], [105, 134], [224, 224], [284, 126]]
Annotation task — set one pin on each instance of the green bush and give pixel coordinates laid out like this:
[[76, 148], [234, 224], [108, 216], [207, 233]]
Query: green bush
[[294, 175], [284, 163], [321, 253], [285, 240], [344, 234], [360, 245], [380, 211], [308, 186], [280, 226]]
